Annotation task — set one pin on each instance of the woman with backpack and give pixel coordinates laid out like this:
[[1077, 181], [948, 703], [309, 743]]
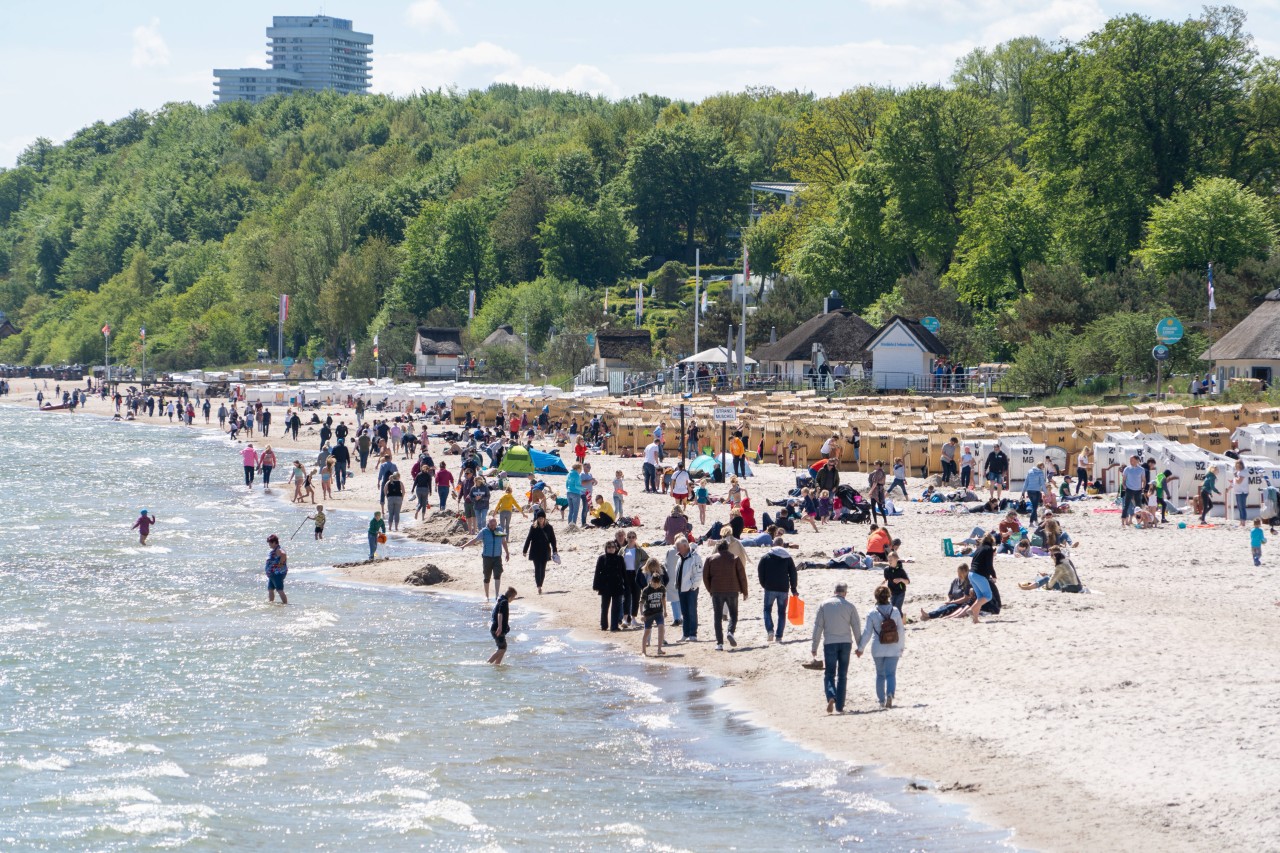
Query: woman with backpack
[[887, 634]]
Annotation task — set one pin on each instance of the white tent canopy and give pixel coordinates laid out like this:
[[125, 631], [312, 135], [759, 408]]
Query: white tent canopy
[[715, 355]]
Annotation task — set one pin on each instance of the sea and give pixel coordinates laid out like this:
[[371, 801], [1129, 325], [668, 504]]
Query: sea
[[151, 699]]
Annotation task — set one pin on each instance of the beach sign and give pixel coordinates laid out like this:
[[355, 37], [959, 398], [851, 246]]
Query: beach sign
[[724, 414], [682, 411], [1160, 352], [319, 363], [287, 362], [1169, 330], [932, 324]]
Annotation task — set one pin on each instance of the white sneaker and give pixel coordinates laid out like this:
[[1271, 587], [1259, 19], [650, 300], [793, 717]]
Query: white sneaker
[[719, 647]]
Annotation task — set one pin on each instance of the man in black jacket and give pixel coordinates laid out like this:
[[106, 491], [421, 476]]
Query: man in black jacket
[[341, 463], [777, 574]]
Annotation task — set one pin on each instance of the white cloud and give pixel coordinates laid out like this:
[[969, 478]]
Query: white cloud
[[149, 47], [429, 14], [823, 70], [579, 78], [1070, 19], [476, 67]]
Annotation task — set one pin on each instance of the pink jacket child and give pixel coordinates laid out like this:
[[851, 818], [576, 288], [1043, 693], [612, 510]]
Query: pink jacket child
[[250, 459]]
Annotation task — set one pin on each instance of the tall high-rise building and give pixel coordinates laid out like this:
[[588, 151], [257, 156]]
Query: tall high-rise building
[[306, 52]]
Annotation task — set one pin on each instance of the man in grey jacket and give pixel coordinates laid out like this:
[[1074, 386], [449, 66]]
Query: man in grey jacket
[[835, 624]]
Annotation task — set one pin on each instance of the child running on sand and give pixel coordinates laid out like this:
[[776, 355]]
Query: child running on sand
[[144, 522], [1256, 540], [320, 520]]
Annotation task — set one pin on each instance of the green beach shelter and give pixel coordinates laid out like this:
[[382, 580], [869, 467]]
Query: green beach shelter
[[516, 461]]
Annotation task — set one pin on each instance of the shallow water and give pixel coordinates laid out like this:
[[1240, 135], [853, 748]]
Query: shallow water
[[150, 698]]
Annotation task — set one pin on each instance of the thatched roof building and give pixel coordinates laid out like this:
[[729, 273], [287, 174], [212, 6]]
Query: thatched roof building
[[1252, 349]]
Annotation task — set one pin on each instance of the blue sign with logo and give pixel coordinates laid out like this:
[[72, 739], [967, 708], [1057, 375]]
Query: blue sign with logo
[[932, 324], [319, 364], [591, 339], [287, 362], [1160, 353], [1169, 330]]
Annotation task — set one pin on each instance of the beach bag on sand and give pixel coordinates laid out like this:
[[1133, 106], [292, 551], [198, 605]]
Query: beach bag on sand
[[795, 610], [888, 631]]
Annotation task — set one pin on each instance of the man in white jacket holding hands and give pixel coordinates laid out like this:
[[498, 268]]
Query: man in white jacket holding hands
[[835, 625]]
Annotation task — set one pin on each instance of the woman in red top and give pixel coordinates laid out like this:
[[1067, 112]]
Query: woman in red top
[[580, 449]]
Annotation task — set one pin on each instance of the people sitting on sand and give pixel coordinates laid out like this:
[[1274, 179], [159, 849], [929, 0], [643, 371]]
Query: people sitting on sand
[[879, 542], [959, 597], [1065, 578], [676, 525], [602, 514]]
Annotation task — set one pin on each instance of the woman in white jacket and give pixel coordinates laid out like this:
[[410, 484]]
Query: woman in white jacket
[[684, 579], [884, 654]]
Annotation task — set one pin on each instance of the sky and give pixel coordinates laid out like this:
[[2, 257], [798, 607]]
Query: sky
[[67, 63]]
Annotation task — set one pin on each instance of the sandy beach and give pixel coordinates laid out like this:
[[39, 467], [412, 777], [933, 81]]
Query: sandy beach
[[1138, 717]]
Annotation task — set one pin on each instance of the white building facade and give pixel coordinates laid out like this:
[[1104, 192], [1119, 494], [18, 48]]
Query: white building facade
[[306, 52]]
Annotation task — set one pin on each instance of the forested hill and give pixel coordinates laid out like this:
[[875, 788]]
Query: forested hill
[[1049, 192]]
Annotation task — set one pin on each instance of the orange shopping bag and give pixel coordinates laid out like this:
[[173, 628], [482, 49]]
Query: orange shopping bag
[[795, 610]]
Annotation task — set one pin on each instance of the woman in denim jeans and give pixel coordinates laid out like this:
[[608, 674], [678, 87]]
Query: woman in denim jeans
[[886, 655], [573, 491]]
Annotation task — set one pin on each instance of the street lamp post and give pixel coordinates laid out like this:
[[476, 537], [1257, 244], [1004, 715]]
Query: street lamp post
[[143, 333]]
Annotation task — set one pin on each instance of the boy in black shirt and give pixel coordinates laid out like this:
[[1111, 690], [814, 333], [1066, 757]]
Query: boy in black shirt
[[654, 601], [500, 625]]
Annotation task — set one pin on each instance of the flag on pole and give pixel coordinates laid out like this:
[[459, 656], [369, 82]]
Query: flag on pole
[[284, 309], [106, 330], [353, 349], [375, 347], [471, 305], [1212, 305], [704, 302], [639, 305], [142, 333], [606, 300]]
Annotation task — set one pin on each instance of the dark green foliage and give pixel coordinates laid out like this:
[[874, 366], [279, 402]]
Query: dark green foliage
[[1067, 189]]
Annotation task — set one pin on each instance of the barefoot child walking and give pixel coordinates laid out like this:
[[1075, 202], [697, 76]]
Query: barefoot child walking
[[320, 520]]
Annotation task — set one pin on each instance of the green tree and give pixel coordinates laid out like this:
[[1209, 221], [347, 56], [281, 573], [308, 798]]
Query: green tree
[[465, 249], [938, 148], [766, 241], [834, 135], [683, 178], [851, 249], [668, 281], [1042, 364], [1005, 229], [592, 247], [515, 228], [1216, 221]]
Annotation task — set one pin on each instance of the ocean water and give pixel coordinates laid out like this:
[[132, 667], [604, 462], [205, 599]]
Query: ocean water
[[151, 699]]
